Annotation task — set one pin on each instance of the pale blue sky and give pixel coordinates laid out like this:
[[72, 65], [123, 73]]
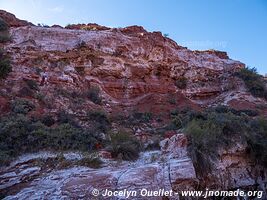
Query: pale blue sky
[[236, 26]]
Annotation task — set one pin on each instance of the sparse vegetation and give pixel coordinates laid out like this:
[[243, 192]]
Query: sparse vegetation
[[93, 94], [26, 92], [99, 119], [91, 161], [5, 66], [81, 44], [166, 34], [80, 70], [4, 33], [3, 25], [219, 128], [172, 99], [181, 82], [124, 146], [21, 106], [48, 120], [140, 117], [32, 84], [21, 134], [254, 82]]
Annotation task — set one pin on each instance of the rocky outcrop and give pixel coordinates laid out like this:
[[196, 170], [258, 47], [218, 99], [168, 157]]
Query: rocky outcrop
[[167, 169], [236, 170], [156, 169], [12, 21], [133, 68]]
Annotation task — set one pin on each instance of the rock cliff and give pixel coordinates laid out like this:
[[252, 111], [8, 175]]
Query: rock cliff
[[133, 70]]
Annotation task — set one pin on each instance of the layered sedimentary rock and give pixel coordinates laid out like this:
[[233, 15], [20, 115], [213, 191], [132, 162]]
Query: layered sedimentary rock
[[132, 67], [134, 70]]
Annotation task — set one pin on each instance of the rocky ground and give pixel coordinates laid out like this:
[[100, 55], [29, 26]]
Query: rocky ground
[[169, 169]]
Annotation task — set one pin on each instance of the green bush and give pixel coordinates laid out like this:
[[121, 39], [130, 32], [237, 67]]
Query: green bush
[[66, 137], [3, 25], [20, 134], [4, 36], [216, 128], [4, 33], [125, 146], [48, 120], [99, 119], [22, 106], [5, 67], [65, 118], [91, 161], [32, 84], [15, 134], [257, 141], [253, 81], [4, 158], [140, 117]]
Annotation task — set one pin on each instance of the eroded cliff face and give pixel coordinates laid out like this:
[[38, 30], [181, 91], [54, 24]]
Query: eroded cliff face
[[135, 70]]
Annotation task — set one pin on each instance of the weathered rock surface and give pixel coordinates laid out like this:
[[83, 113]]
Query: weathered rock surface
[[12, 20], [133, 68], [169, 169], [154, 170]]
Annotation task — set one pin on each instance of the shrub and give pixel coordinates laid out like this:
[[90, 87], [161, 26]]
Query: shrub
[[64, 137], [91, 161], [257, 141], [19, 134], [253, 81], [93, 95], [16, 134], [21, 106], [172, 99], [209, 135], [180, 118], [40, 97], [216, 129], [181, 82], [32, 84], [3, 25], [140, 117], [4, 34], [5, 67], [65, 118], [26, 92], [99, 119], [125, 146], [48, 120], [99, 116], [4, 158]]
